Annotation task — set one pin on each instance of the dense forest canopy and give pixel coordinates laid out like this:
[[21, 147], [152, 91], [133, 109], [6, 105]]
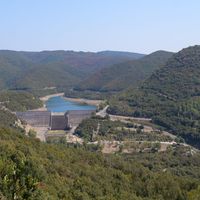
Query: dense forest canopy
[[123, 75], [30, 169], [60, 69], [170, 96], [19, 100], [12, 101]]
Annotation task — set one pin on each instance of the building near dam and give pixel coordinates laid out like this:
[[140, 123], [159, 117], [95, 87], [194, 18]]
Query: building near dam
[[54, 121]]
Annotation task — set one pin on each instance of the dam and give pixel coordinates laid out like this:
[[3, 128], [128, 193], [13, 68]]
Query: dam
[[53, 120], [60, 118]]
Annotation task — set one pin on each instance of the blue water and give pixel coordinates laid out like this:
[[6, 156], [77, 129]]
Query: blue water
[[59, 104]]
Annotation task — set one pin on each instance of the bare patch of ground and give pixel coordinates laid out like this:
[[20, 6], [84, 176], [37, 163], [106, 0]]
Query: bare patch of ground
[[109, 147], [41, 131], [73, 139]]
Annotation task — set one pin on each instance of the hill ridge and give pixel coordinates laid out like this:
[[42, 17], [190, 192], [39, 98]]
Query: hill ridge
[[123, 75]]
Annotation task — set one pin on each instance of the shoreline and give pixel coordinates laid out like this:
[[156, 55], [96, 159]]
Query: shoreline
[[84, 101], [47, 97], [76, 100]]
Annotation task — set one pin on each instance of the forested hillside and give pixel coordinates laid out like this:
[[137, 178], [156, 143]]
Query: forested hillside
[[33, 170], [11, 101], [171, 96], [126, 74], [53, 68], [19, 100]]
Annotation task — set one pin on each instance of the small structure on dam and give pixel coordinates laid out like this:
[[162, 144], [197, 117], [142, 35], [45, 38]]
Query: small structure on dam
[[59, 121]]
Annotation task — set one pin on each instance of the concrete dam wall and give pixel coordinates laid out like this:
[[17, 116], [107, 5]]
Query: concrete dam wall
[[35, 118], [54, 121]]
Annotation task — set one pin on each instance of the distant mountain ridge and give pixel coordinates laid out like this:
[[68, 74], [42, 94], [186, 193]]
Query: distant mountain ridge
[[19, 69], [122, 53], [123, 75]]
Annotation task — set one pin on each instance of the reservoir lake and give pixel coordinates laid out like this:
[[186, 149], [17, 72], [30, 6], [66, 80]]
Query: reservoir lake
[[59, 104]]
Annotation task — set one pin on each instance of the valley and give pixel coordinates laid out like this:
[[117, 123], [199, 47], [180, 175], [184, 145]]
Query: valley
[[138, 130], [146, 122], [143, 135], [99, 100], [143, 104]]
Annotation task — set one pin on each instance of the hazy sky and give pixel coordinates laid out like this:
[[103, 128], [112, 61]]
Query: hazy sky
[[94, 25]]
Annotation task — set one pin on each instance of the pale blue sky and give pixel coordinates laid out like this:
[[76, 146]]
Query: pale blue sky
[[94, 25]]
